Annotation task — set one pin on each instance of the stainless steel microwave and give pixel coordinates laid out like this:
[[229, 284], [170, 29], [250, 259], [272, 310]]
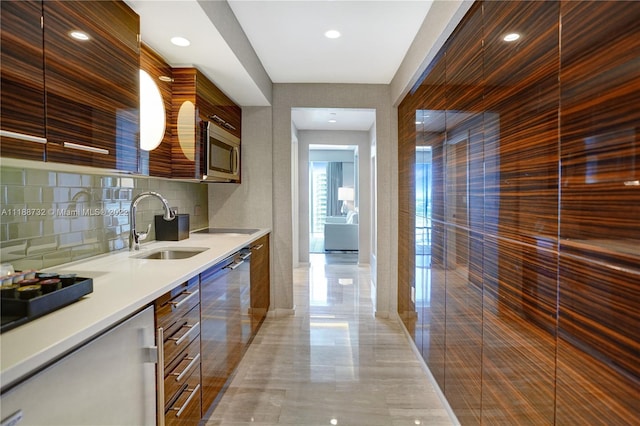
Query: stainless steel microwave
[[222, 151]]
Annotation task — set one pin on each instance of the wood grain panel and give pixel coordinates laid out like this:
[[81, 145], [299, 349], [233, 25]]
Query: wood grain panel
[[589, 391], [600, 311], [186, 162], [518, 333], [463, 327], [600, 134], [22, 78], [158, 161], [227, 328], [92, 94], [433, 347], [260, 279], [521, 125]]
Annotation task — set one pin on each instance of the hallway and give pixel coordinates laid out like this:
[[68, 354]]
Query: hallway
[[332, 363]]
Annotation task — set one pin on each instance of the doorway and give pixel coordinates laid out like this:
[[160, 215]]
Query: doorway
[[350, 135], [333, 207]]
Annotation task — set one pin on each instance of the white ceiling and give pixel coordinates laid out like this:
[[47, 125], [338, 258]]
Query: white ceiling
[[288, 39], [345, 118]]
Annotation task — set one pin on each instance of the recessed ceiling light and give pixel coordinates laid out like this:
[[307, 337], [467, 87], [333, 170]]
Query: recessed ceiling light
[[180, 41], [332, 34], [418, 122], [165, 78], [333, 120], [511, 37], [79, 35]]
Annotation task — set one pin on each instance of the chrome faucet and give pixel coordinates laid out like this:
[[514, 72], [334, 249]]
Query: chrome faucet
[[134, 236]]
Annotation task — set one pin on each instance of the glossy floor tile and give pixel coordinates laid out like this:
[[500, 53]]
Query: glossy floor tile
[[332, 363]]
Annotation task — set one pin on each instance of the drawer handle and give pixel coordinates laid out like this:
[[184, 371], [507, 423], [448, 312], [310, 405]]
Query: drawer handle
[[22, 136], [86, 148], [186, 403], [234, 265], [190, 294], [258, 247], [194, 361], [192, 328], [245, 256]]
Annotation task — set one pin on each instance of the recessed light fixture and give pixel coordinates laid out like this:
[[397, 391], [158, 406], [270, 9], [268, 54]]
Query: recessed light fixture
[[332, 34], [511, 37], [332, 120], [165, 78], [418, 122], [79, 35], [180, 41]]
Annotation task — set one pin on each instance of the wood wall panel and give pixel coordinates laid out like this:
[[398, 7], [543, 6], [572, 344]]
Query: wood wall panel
[[600, 133], [535, 184], [463, 328], [590, 391], [521, 96], [518, 333]]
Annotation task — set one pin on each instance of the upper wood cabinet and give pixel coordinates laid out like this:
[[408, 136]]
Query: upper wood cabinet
[[157, 162], [92, 85], [22, 100], [195, 101]]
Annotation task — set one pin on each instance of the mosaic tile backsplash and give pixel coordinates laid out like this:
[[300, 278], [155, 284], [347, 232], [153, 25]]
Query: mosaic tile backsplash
[[48, 218]]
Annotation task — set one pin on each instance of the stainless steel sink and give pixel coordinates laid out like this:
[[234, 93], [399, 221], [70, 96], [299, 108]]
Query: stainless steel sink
[[171, 253]]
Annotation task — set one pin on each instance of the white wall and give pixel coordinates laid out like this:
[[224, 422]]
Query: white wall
[[287, 96], [335, 137]]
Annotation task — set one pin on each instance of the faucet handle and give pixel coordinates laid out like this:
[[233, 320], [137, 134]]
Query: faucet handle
[[144, 234]]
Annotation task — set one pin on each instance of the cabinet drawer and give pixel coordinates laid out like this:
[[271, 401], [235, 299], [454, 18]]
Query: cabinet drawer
[[181, 369], [180, 335], [171, 306], [185, 407]]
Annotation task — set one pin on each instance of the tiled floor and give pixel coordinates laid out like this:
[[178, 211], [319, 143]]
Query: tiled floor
[[332, 363]]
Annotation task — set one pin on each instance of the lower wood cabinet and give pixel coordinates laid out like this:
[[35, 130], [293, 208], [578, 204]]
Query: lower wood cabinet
[[260, 281], [178, 373]]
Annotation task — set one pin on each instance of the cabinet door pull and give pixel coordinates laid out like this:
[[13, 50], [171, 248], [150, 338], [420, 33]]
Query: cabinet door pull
[[245, 256], [192, 328], [186, 403], [235, 265], [258, 247], [190, 294], [86, 148], [160, 377], [194, 361], [22, 136]]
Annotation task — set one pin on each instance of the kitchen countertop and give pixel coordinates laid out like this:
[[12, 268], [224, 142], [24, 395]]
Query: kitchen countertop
[[122, 285]]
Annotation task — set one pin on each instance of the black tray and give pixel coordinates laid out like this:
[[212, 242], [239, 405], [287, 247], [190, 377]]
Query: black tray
[[16, 312]]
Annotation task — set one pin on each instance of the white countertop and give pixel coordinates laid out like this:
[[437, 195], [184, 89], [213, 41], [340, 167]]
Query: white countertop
[[122, 285]]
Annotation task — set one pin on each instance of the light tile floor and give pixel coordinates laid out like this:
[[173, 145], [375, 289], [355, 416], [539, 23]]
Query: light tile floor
[[333, 363]]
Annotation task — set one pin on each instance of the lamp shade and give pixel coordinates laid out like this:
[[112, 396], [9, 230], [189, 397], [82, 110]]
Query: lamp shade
[[346, 193]]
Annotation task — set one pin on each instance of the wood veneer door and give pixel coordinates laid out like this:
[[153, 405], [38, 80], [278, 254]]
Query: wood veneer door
[[22, 100], [157, 162], [260, 281], [92, 85]]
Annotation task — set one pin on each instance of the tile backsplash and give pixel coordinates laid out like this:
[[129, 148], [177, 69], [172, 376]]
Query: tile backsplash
[[50, 217]]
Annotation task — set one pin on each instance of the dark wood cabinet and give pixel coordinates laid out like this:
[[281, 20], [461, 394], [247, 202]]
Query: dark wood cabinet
[[92, 84], [260, 280], [195, 101], [157, 162], [178, 372], [22, 101]]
